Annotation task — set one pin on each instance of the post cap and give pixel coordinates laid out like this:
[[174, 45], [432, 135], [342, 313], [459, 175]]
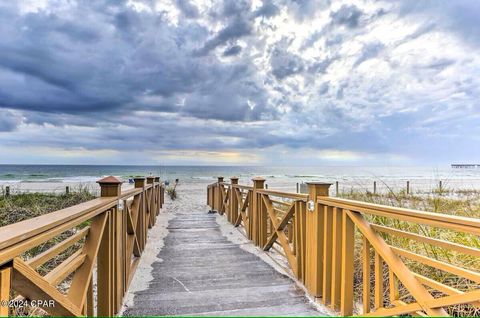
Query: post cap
[[138, 178], [258, 179], [150, 179], [233, 178], [110, 180]]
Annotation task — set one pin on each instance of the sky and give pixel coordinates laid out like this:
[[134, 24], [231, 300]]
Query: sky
[[244, 82]]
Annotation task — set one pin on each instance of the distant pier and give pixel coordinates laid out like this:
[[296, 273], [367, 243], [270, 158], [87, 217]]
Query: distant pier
[[465, 166]]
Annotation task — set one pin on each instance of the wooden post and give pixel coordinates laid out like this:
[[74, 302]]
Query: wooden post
[[218, 195], [336, 188], [315, 239], [150, 179], [139, 182], [266, 186], [408, 187], [374, 187], [440, 186], [109, 267], [259, 219], [7, 191], [298, 188], [158, 188], [67, 190], [150, 199], [233, 201], [162, 193], [141, 225], [110, 186], [5, 285]]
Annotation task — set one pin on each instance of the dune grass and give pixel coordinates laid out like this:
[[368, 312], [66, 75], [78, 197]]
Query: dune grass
[[454, 202], [22, 206], [172, 193]]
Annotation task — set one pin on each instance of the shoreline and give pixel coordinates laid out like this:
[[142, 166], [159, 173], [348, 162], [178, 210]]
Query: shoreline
[[419, 187]]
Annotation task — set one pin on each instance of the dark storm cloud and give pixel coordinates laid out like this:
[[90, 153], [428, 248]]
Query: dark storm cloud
[[8, 120], [348, 15], [104, 62], [237, 28], [229, 75], [233, 50]]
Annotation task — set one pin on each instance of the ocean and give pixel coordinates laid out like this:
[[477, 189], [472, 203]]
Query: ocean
[[54, 177]]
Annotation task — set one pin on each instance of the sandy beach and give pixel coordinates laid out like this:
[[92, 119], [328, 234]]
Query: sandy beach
[[284, 184]]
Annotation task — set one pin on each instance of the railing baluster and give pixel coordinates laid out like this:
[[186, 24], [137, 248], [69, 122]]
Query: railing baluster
[[348, 240], [327, 256], [5, 283], [233, 201], [104, 271], [378, 281], [366, 275], [89, 302], [336, 257], [393, 285]]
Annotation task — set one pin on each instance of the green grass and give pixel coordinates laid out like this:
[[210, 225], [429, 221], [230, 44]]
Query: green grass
[[461, 202], [23, 206]]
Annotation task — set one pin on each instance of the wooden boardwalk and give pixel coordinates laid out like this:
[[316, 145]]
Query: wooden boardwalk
[[203, 273]]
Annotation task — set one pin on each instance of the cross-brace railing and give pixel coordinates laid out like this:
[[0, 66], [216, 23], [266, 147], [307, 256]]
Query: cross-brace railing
[[333, 245], [106, 235]]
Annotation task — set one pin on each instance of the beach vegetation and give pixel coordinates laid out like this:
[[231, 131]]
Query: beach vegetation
[[172, 193], [439, 200], [18, 207]]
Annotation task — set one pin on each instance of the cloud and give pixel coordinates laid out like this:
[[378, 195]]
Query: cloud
[[238, 28], [187, 8], [233, 50], [267, 10], [347, 15], [348, 81], [9, 120]]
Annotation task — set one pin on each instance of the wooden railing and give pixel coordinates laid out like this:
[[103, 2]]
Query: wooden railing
[[334, 245], [106, 235]]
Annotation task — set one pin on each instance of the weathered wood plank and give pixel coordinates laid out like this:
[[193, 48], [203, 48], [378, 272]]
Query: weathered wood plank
[[203, 273]]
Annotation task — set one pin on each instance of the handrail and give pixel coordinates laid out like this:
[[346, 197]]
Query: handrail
[[319, 240], [243, 187], [459, 220], [20, 231], [288, 195], [113, 238], [462, 224]]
